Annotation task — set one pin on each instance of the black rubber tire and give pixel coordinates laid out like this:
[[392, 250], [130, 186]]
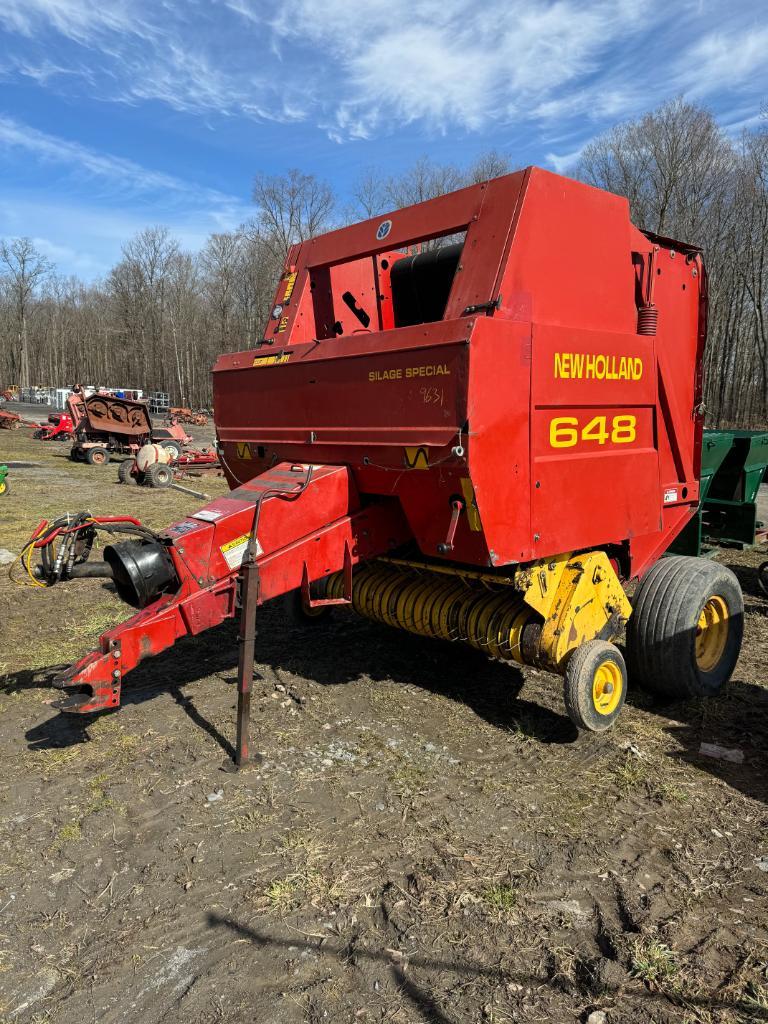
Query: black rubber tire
[[298, 615], [662, 630], [5, 487], [579, 680], [76, 454], [124, 475], [762, 578], [97, 456], [159, 475], [174, 447]]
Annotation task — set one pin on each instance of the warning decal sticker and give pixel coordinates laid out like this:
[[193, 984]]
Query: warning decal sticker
[[234, 550]]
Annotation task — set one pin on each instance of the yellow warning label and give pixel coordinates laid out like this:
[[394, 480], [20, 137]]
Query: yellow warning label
[[281, 357], [243, 450], [234, 550], [416, 458], [473, 516]]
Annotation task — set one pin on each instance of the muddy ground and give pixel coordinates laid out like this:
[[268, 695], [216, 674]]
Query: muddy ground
[[426, 840]]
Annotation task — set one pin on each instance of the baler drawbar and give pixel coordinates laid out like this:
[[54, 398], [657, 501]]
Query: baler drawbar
[[476, 419]]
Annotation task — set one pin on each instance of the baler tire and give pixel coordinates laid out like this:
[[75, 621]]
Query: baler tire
[[681, 601], [97, 456], [5, 488], [762, 577], [592, 667], [298, 615], [159, 475], [124, 475]]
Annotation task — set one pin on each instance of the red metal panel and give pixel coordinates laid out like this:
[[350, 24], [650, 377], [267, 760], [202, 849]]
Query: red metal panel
[[498, 445], [405, 387], [571, 256], [484, 211], [593, 445], [311, 533]]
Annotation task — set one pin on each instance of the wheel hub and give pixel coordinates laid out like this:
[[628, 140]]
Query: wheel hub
[[606, 687], [712, 633]]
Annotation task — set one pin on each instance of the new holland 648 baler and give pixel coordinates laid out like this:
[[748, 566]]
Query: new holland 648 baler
[[482, 441]]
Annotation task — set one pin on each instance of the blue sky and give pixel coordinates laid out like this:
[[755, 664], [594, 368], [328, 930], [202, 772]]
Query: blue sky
[[116, 114]]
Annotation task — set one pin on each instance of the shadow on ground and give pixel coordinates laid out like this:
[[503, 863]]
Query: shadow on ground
[[344, 651], [349, 649], [418, 994]]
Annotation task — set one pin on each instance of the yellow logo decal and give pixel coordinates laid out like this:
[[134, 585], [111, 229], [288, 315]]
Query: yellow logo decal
[[595, 366], [290, 281]]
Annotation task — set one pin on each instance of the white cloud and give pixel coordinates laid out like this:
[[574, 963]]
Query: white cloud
[[563, 162], [726, 58], [86, 238], [361, 71], [453, 62], [103, 200], [117, 172], [82, 21]]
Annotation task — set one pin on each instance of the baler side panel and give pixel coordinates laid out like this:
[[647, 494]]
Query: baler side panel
[[571, 255], [593, 453], [345, 400], [498, 447]]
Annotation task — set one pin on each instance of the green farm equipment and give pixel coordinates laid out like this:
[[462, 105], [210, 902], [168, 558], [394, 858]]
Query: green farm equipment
[[733, 463], [4, 486]]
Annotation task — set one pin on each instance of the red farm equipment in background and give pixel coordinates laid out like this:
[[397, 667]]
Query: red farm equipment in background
[[482, 442], [60, 427], [108, 425]]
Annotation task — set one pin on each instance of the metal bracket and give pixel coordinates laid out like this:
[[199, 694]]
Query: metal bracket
[[326, 602], [483, 307]]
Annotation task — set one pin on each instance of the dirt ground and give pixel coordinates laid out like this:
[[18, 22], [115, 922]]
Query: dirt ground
[[426, 839]]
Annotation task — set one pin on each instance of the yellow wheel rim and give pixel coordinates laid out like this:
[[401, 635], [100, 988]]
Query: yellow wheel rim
[[712, 633], [2, 487], [607, 686]]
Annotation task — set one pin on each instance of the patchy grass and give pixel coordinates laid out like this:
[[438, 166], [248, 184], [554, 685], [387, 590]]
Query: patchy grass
[[283, 893], [502, 897], [71, 833], [654, 963]]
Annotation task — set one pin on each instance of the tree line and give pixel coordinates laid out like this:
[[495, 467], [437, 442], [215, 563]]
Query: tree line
[[161, 315]]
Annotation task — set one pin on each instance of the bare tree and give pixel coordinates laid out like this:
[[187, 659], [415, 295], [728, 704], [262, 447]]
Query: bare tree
[[220, 265], [685, 178], [291, 208], [26, 268], [488, 165]]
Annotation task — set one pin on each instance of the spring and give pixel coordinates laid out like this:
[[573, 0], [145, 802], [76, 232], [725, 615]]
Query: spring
[[647, 319], [446, 608]]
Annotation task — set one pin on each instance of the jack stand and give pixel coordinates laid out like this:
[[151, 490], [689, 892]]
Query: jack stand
[[247, 640]]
